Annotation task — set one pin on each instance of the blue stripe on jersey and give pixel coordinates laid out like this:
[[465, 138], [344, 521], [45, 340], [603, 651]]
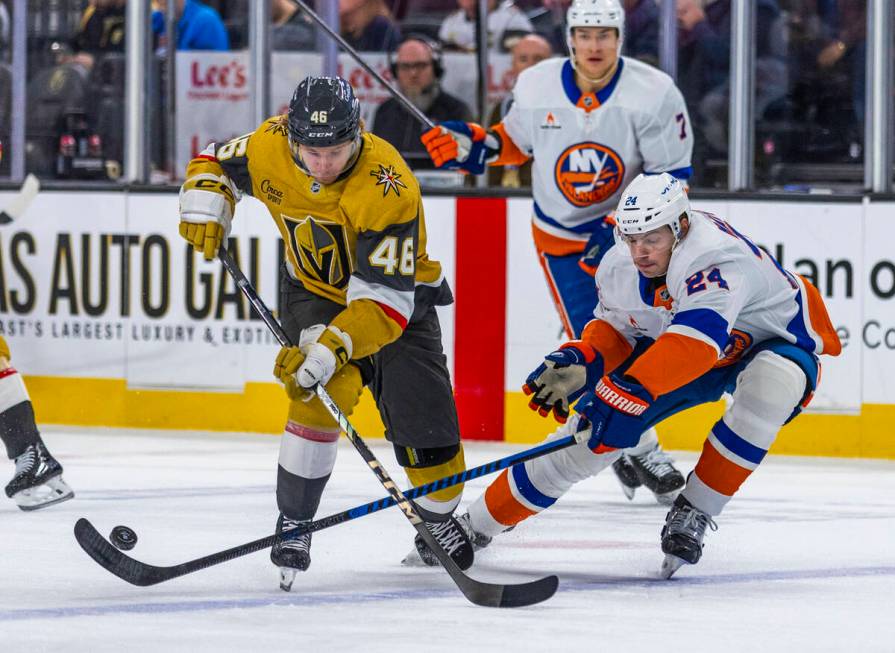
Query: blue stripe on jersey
[[532, 494], [706, 321], [604, 93], [736, 444], [568, 82], [574, 93], [681, 173], [584, 228], [647, 292], [797, 328]]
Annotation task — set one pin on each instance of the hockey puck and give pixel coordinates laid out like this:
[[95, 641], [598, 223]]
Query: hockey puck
[[123, 538]]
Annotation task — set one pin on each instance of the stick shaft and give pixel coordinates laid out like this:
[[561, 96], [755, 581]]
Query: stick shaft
[[398, 95]]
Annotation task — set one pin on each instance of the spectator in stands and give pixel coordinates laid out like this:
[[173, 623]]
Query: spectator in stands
[[368, 26], [102, 28], [199, 27], [290, 28], [417, 67], [704, 67], [848, 49], [642, 31], [5, 84], [5, 28], [550, 22], [457, 32], [529, 50]]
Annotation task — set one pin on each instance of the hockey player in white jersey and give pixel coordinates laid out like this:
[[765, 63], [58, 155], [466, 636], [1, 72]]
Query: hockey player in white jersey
[[37, 480], [721, 316], [591, 123]]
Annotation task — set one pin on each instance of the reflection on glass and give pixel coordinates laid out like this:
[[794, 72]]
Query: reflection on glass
[[813, 135], [75, 89], [704, 42]]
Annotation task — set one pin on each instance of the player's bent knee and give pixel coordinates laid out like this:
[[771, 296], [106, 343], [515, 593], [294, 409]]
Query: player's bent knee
[[344, 388], [767, 392], [427, 464]]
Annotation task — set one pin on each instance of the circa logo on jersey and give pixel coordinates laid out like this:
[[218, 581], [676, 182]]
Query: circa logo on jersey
[[320, 248], [588, 173], [389, 179], [274, 195]]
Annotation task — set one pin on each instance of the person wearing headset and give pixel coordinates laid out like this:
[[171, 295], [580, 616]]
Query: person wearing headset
[[417, 69]]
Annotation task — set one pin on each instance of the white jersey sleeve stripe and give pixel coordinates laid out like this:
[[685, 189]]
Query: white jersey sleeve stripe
[[401, 301]]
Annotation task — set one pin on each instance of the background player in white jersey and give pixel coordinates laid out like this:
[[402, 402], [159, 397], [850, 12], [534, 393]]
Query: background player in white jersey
[[591, 123], [723, 316], [37, 481]]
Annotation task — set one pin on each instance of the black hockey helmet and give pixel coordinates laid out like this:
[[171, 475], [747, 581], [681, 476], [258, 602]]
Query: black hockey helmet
[[324, 111]]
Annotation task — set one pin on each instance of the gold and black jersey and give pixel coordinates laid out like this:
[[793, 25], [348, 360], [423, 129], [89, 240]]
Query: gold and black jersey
[[360, 241]]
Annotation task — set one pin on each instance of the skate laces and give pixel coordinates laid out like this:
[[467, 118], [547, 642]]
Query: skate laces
[[657, 462], [26, 460], [691, 522], [297, 543], [449, 537]]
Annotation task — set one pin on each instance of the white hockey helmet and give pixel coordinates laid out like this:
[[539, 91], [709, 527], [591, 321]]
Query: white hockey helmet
[[650, 202], [595, 13]]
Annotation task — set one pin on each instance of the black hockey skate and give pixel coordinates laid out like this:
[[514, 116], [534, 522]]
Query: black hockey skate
[[682, 535], [656, 471], [37, 482], [479, 540], [627, 476], [293, 554], [453, 539]]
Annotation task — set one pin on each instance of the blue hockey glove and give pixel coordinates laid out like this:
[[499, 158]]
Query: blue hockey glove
[[600, 241], [456, 144], [615, 409]]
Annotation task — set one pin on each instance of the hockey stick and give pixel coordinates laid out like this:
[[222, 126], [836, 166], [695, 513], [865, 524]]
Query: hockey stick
[[478, 592], [142, 574], [398, 95], [19, 204]]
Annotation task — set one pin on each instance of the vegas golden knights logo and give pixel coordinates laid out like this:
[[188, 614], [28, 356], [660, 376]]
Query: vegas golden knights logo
[[320, 249]]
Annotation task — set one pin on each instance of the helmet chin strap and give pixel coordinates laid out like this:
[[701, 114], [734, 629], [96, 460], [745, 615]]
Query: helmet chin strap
[[599, 81], [355, 153]]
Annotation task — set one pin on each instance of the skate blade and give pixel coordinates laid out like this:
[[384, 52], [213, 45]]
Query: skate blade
[[287, 577], [670, 565], [413, 559], [668, 498], [54, 491], [629, 491]]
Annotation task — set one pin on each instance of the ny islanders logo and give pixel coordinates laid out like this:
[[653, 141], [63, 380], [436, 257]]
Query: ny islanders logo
[[588, 173], [737, 345]]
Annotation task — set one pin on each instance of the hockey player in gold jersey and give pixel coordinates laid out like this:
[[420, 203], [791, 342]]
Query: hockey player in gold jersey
[[359, 297]]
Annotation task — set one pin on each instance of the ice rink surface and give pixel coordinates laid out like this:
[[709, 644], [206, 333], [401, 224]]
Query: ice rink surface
[[804, 561]]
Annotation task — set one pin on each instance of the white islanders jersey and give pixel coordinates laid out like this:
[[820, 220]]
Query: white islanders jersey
[[721, 289], [587, 148]]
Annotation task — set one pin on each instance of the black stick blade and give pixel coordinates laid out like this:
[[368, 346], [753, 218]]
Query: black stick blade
[[519, 596], [493, 595], [113, 560]]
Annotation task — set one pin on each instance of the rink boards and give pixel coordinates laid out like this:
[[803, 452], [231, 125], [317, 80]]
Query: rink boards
[[114, 321]]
